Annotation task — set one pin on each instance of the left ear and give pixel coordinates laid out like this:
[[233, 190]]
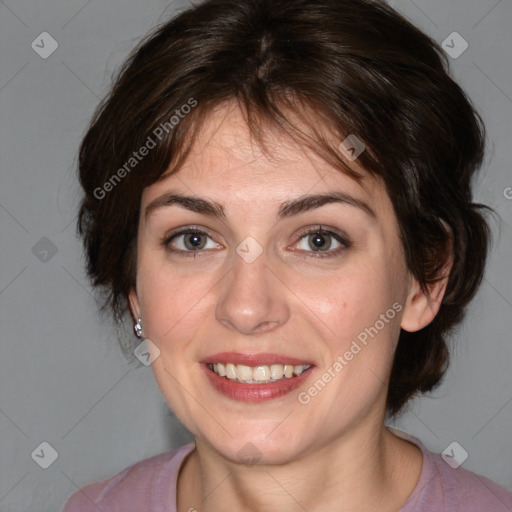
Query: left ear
[[420, 309]]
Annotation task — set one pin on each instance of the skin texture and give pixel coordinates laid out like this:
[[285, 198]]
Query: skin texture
[[333, 450]]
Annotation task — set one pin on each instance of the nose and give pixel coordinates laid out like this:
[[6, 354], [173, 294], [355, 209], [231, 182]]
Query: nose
[[252, 299]]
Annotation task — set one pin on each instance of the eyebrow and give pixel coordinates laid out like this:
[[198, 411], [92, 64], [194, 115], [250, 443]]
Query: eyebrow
[[288, 209]]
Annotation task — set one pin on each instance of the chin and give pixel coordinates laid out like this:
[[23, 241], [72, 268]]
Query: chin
[[256, 447]]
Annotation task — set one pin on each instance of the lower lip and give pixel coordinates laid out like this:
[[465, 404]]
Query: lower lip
[[254, 392]]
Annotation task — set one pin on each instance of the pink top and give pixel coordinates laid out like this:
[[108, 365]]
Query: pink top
[[150, 486]]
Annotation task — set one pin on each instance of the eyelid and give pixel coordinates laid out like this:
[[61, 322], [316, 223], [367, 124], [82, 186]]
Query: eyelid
[[187, 229], [339, 236], [184, 230]]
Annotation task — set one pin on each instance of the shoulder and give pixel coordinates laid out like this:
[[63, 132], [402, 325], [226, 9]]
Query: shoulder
[[442, 488], [471, 491], [142, 486]]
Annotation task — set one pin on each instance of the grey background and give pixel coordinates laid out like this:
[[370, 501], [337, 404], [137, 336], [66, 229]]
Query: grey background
[[63, 378]]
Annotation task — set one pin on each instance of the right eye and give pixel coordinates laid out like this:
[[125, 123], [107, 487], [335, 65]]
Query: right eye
[[190, 240]]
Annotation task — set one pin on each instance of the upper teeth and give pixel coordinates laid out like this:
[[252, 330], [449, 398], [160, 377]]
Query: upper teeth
[[257, 374]]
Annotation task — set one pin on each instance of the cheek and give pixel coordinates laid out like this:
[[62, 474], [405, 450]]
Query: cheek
[[170, 302], [348, 301], [358, 314]]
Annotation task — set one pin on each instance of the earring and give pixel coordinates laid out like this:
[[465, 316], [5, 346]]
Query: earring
[[138, 328]]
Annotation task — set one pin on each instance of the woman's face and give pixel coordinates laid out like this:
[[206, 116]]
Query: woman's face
[[269, 266]]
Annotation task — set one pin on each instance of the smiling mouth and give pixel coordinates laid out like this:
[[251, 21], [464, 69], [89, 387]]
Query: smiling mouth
[[261, 374]]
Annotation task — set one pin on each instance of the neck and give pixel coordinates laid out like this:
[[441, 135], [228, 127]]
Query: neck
[[367, 470]]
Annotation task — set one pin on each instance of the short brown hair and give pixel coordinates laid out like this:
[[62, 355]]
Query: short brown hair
[[364, 70]]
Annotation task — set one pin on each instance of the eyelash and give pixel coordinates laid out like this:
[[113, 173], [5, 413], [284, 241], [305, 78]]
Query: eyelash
[[343, 240]]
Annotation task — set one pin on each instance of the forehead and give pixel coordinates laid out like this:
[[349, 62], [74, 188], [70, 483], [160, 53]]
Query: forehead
[[227, 164]]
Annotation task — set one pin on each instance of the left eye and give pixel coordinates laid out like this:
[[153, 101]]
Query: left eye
[[319, 241], [192, 241]]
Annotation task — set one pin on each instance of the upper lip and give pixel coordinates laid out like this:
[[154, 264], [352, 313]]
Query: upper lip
[[253, 359]]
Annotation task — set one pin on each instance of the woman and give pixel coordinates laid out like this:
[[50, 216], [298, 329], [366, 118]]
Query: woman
[[279, 193]]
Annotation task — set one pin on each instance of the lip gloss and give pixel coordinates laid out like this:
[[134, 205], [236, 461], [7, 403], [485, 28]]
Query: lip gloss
[[254, 392]]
